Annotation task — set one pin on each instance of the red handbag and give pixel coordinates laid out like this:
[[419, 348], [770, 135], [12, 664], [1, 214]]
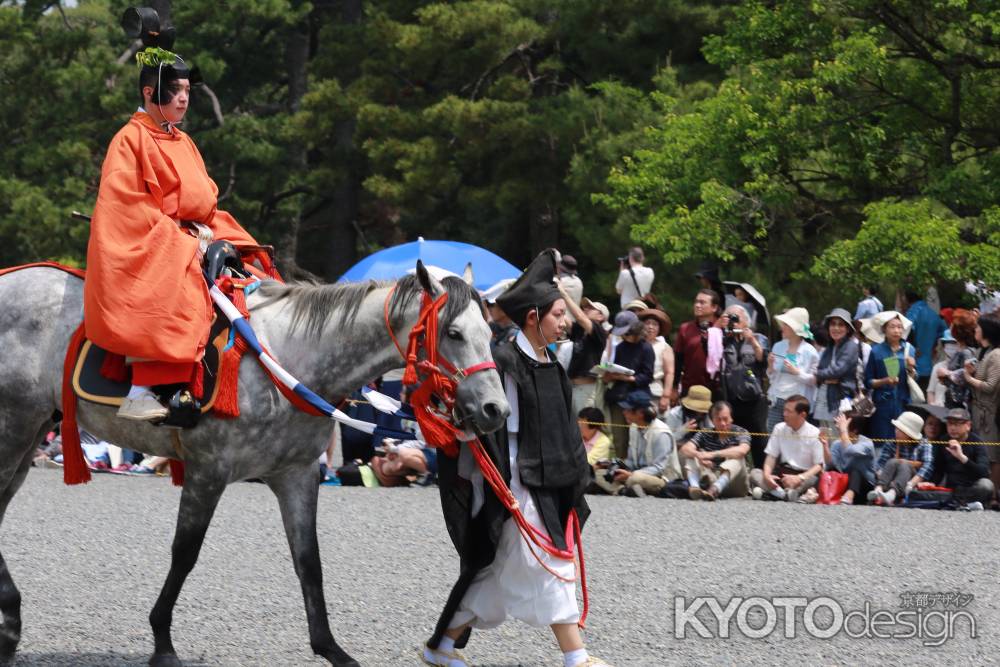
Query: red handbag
[[832, 485]]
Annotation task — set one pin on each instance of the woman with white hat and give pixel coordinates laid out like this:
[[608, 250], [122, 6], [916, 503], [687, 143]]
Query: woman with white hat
[[885, 372], [791, 364]]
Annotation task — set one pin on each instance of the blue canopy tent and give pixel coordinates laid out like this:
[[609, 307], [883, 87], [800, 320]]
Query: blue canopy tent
[[392, 263]]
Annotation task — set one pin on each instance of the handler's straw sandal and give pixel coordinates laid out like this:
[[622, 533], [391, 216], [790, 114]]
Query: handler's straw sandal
[[441, 658], [592, 661]]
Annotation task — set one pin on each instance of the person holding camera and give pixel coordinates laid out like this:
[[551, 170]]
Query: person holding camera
[[691, 414], [634, 280], [716, 462], [744, 355], [652, 453]]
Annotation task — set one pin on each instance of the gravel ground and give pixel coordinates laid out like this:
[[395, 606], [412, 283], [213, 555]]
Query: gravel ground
[[90, 560]]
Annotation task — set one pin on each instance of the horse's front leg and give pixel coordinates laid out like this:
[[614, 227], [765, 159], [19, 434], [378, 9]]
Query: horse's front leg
[[202, 490], [297, 492]]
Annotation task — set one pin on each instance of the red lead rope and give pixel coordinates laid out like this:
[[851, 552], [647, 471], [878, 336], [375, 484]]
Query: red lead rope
[[432, 403]]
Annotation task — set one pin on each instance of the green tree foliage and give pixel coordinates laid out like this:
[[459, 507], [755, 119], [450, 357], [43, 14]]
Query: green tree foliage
[[837, 119]]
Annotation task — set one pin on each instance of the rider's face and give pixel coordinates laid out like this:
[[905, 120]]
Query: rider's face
[[180, 94]]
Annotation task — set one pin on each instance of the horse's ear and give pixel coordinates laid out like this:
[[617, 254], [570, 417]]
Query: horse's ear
[[467, 275], [430, 284]]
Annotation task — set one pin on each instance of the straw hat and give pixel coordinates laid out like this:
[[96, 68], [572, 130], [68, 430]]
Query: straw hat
[[637, 304], [698, 399], [798, 320], [873, 328], [586, 303], [911, 424], [659, 316]]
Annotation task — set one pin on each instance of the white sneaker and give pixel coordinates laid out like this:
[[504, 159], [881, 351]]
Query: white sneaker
[[144, 408], [757, 493], [974, 506]]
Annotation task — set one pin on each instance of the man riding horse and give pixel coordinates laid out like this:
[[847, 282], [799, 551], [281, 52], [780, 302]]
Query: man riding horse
[[157, 209]]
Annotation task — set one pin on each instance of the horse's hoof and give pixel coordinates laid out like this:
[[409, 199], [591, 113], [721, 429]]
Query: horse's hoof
[[165, 660]]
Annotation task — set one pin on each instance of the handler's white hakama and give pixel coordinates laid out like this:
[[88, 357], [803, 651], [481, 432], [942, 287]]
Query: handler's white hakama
[[514, 584]]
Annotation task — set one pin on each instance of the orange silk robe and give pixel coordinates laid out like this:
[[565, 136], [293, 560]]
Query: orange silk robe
[[144, 295]]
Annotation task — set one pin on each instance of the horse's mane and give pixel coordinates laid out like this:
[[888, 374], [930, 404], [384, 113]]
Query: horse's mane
[[313, 304]]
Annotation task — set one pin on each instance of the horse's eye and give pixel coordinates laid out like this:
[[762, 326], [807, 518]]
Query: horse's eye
[[454, 334]]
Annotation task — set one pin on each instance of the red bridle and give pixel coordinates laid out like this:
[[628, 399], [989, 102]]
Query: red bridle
[[435, 377]]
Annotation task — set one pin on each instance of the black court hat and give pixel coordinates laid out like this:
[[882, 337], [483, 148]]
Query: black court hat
[[534, 289]]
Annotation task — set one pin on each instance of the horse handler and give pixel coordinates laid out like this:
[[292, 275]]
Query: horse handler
[[541, 457]]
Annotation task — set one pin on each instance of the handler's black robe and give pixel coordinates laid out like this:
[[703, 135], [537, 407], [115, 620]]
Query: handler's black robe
[[552, 462]]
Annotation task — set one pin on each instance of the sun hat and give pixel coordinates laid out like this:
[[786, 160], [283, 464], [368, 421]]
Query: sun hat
[[874, 327], [840, 314], [636, 303], [586, 303], [911, 424], [798, 320], [698, 399], [623, 322], [659, 316]]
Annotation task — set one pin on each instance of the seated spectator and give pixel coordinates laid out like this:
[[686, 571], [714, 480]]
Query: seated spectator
[[691, 415], [652, 453], [716, 462], [903, 465], [852, 454], [963, 465], [401, 463], [635, 354], [595, 440], [791, 364], [794, 457]]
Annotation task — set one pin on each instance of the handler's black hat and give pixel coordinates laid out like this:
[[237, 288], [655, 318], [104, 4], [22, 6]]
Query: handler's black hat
[[534, 289]]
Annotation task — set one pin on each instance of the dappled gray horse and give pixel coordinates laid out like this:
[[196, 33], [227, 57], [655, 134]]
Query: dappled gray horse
[[333, 338]]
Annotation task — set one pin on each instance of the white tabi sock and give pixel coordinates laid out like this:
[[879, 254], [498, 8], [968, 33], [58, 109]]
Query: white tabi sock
[[447, 644], [138, 391], [573, 658]]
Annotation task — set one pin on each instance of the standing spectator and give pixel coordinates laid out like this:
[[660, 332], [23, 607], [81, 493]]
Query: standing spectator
[[743, 368], [595, 440], [852, 454], [963, 346], [836, 376], [588, 338], [989, 300], [869, 306], [708, 277], [691, 350], [790, 364], [903, 464], [984, 380], [633, 353], [716, 462], [502, 328], [927, 328], [885, 373], [634, 279], [656, 328], [963, 465], [794, 456], [569, 280], [652, 453], [936, 388]]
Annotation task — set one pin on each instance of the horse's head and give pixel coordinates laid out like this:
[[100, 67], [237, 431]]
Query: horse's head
[[464, 340]]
